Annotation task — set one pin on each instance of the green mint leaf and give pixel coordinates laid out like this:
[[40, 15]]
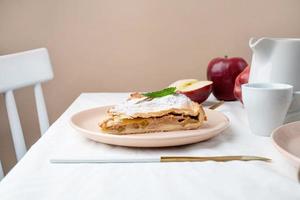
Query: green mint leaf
[[161, 93]]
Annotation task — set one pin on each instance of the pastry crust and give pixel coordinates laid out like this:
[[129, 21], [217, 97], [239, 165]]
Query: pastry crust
[[141, 115]]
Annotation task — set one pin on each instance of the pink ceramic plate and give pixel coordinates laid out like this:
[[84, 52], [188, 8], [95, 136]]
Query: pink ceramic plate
[[86, 123], [287, 140]]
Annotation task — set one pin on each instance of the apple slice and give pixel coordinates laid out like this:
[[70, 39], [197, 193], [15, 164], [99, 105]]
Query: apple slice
[[197, 91]]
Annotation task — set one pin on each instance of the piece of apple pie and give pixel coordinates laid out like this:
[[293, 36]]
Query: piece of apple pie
[[140, 114]]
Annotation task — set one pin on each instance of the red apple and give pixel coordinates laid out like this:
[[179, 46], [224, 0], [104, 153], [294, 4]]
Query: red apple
[[197, 91], [222, 72], [241, 79]]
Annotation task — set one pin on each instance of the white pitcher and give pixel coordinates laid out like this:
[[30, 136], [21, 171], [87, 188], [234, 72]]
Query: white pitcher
[[277, 60]]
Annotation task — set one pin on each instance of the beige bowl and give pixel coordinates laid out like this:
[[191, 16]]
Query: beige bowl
[[286, 139]]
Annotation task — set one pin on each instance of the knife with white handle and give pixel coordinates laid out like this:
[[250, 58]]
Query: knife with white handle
[[161, 159]]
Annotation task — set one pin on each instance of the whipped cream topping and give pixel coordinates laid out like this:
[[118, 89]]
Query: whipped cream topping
[[134, 106]]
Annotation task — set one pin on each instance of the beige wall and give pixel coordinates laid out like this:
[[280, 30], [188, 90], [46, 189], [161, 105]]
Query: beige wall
[[117, 45]]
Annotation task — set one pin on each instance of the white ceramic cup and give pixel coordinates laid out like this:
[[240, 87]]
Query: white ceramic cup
[[266, 105]]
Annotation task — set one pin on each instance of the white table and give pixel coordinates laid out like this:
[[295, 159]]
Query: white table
[[35, 178]]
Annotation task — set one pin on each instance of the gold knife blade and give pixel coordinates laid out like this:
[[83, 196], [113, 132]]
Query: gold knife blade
[[212, 158]]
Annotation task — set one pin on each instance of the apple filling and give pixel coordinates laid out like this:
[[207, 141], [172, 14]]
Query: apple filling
[[167, 122]]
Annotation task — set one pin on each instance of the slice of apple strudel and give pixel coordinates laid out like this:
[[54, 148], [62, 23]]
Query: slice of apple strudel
[[142, 115]]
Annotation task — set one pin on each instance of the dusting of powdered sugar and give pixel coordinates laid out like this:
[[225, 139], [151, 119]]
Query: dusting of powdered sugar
[[132, 107]]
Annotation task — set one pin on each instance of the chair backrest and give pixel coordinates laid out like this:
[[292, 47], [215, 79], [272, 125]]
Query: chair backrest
[[25, 68], [20, 70], [1, 171]]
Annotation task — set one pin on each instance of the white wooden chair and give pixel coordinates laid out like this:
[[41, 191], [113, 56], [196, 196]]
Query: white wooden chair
[[20, 70], [1, 171]]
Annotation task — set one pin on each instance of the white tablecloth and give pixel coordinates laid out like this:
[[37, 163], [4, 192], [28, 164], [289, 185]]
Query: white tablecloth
[[35, 178]]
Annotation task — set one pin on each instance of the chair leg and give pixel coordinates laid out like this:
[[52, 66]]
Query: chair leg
[[1, 171], [41, 108], [15, 125]]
